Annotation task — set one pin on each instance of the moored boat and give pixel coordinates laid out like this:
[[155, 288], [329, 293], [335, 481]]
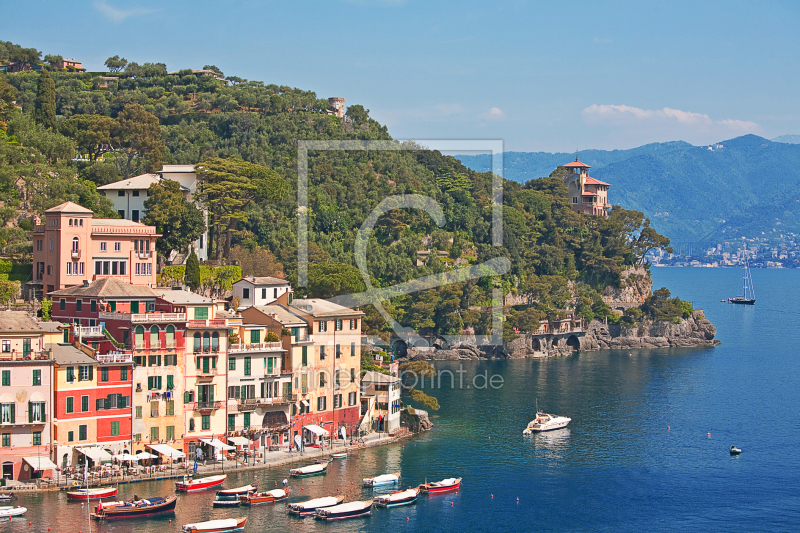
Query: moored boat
[[446, 485], [133, 509], [310, 470], [188, 484], [8, 510], [341, 455], [396, 499], [92, 494], [383, 479], [7, 497], [308, 507], [271, 496], [217, 526], [238, 491], [735, 450], [231, 497], [345, 510]]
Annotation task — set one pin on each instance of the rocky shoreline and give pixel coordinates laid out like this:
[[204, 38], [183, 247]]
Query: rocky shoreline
[[691, 332]]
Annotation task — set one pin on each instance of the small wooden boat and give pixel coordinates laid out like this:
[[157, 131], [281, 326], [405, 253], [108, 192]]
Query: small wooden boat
[[450, 484], [92, 494], [217, 526], [308, 507], [396, 499], [383, 479], [8, 510], [188, 484], [134, 509], [345, 510], [272, 496], [310, 470], [341, 455], [735, 450], [231, 497], [7, 497]]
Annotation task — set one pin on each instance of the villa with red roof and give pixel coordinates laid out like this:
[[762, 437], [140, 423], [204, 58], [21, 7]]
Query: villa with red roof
[[589, 195]]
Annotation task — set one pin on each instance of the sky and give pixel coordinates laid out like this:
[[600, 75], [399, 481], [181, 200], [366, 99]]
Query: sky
[[538, 75]]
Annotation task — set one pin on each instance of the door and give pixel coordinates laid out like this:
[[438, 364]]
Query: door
[[26, 347], [8, 470], [134, 307], [205, 365]]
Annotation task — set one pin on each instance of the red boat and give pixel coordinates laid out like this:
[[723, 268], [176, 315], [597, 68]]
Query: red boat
[[189, 485], [92, 494], [451, 484], [271, 496]]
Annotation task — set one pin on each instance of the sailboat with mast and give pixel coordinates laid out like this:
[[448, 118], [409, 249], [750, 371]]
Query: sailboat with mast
[[748, 296]]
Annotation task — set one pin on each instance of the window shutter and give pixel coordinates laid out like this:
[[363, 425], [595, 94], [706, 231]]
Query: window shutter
[[107, 402], [186, 397], [99, 404], [91, 373], [30, 412], [13, 419], [159, 382]]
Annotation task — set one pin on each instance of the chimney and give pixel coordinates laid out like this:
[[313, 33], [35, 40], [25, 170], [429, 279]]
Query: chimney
[[86, 283]]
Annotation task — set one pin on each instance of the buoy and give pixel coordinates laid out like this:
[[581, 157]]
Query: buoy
[[709, 435], [517, 499], [276, 483], [29, 523], [451, 504], [170, 520], [301, 488], [337, 490], [406, 518], [490, 438], [492, 495], [668, 428]]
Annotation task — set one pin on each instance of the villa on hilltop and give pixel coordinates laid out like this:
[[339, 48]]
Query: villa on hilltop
[[589, 195]]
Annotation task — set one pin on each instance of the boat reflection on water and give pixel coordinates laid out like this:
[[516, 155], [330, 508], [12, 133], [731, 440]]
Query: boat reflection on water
[[551, 444]]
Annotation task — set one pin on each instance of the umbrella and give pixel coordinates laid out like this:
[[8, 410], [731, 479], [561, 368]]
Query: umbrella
[[125, 457], [144, 455]]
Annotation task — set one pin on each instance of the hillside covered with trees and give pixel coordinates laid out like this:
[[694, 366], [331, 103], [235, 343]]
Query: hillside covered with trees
[[242, 135]]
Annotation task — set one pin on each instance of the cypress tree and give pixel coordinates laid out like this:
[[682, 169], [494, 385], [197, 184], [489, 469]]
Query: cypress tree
[[191, 277], [45, 108]]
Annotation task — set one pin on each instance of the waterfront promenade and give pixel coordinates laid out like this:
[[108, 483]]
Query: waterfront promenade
[[177, 470]]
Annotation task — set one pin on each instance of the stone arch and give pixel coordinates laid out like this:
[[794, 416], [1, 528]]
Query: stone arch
[[574, 343], [400, 347], [555, 342], [536, 345]]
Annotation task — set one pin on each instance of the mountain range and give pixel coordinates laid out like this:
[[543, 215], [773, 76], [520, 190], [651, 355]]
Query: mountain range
[[742, 187]]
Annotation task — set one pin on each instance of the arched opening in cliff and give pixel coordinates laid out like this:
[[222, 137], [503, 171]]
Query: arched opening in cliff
[[536, 346], [574, 343], [400, 348], [555, 342]]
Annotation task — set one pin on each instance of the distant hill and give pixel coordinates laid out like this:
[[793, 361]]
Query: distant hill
[[740, 187], [789, 139]]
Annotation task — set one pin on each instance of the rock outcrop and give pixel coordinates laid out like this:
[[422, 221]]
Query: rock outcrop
[[694, 331], [415, 419]]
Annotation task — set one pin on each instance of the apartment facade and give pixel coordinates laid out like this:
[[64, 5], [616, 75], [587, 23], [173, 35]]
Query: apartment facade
[[255, 291], [72, 247], [386, 389], [26, 398]]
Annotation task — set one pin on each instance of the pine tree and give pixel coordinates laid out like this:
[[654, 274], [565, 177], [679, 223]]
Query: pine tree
[[45, 107], [192, 276]]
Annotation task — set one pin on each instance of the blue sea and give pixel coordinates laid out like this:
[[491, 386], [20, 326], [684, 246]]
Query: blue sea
[[647, 449]]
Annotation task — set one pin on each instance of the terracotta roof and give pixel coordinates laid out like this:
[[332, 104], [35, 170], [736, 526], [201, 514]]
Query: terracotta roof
[[576, 163], [589, 193], [265, 280], [376, 377], [593, 181], [53, 327], [18, 322], [182, 297], [283, 315], [108, 288], [68, 207]]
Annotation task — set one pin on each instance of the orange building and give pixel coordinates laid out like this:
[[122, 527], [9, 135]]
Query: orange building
[[589, 196]]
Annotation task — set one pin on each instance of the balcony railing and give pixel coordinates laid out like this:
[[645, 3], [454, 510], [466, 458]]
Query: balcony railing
[[88, 331], [251, 404], [210, 323], [255, 347], [15, 355], [115, 357], [76, 254], [143, 317], [204, 406]]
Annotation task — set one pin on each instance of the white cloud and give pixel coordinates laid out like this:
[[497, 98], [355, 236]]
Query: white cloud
[[118, 15], [624, 115], [495, 114]]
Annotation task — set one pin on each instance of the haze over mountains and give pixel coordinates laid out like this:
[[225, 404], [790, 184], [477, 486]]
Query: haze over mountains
[[702, 194]]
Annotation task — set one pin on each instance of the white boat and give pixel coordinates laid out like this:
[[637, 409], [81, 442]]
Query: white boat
[[6, 497], [345, 510], [8, 510], [217, 526], [308, 507], [735, 450], [545, 422], [383, 479], [395, 499], [310, 470]]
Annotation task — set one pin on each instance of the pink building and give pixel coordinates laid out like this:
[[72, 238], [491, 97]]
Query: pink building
[[72, 247], [26, 398], [589, 195]]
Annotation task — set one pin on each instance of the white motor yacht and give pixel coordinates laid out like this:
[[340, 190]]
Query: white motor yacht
[[545, 422]]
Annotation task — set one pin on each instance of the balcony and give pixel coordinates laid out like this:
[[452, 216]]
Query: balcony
[[208, 406], [14, 355], [144, 254], [76, 254], [115, 357], [88, 331], [252, 404], [255, 347], [143, 317], [210, 323], [206, 373]]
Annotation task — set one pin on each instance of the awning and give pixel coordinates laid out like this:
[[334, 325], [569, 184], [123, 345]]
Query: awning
[[316, 430], [40, 463], [216, 443], [239, 441], [167, 450], [125, 457], [98, 455], [305, 402], [145, 455]]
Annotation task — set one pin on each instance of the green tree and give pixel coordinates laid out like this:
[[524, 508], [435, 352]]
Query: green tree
[[52, 60], [428, 401], [47, 309], [92, 133], [178, 220], [8, 97], [8, 290], [257, 261], [116, 64], [192, 274], [45, 106], [136, 140], [228, 187]]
